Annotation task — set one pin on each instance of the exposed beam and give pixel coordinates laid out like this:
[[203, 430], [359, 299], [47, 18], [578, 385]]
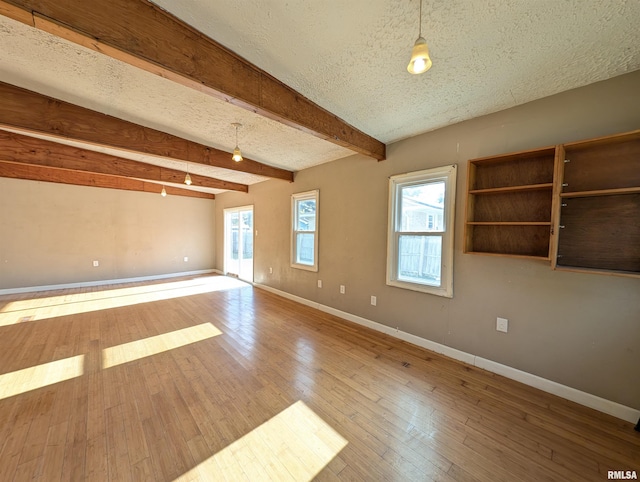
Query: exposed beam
[[79, 178], [29, 111], [29, 150], [142, 34]]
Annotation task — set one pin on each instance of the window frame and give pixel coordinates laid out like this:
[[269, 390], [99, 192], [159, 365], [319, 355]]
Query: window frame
[[394, 230], [295, 198]]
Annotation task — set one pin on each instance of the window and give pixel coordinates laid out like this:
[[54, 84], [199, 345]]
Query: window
[[304, 241], [420, 236]]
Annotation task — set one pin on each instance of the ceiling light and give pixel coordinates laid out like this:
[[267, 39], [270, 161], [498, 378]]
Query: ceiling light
[[420, 61], [237, 155], [187, 178], [163, 193]]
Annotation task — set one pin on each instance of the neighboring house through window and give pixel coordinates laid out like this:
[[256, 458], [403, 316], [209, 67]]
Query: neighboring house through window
[[420, 235]]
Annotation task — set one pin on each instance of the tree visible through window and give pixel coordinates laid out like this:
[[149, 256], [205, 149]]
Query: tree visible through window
[[420, 244], [304, 243]]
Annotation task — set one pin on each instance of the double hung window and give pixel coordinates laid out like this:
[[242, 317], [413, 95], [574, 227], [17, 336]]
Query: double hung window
[[420, 234], [304, 241]]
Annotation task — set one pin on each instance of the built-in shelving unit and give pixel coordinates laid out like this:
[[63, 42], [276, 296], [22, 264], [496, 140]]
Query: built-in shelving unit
[[599, 209], [509, 204], [575, 204]]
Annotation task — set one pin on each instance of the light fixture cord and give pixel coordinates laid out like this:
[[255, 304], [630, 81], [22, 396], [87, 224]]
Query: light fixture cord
[[420, 26], [237, 130]]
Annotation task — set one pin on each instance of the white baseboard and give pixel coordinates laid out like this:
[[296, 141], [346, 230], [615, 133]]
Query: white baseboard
[[583, 398], [29, 289]]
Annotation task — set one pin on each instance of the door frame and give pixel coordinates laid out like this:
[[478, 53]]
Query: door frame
[[226, 244]]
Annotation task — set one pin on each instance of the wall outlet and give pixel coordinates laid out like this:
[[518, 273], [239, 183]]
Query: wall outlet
[[270, 270], [96, 264], [342, 289], [186, 258], [502, 324], [374, 300], [319, 283]]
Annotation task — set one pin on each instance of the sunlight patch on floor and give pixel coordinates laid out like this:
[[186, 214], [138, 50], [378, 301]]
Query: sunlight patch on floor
[[135, 350], [72, 304], [32, 378], [294, 445]]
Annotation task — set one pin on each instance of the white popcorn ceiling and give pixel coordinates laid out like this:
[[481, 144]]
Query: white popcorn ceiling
[[350, 58]]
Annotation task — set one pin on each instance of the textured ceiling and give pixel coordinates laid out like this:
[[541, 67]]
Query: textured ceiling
[[350, 58], [488, 55]]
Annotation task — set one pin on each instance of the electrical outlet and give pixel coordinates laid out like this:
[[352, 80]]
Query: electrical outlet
[[96, 264], [319, 283], [186, 258], [270, 270], [502, 324], [374, 300], [342, 289]]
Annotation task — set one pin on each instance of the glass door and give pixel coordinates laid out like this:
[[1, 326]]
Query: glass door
[[238, 242]]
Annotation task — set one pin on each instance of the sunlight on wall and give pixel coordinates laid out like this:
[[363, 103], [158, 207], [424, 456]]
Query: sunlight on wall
[[127, 352], [52, 307], [39, 376], [294, 445]]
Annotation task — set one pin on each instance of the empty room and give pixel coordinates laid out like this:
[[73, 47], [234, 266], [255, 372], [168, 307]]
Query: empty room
[[303, 240]]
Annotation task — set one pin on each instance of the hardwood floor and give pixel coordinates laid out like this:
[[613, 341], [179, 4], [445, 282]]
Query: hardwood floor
[[191, 379]]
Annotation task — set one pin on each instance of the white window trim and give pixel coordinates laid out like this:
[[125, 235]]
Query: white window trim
[[301, 196], [448, 175]]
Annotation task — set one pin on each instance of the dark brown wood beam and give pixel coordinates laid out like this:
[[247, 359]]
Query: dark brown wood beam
[[30, 150], [144, 35], [79, 178], [29, 111]]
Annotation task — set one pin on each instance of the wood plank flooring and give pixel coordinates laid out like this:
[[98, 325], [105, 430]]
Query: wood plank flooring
[[191, 379]]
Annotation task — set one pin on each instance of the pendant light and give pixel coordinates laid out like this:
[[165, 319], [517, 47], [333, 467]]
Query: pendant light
[[163, 193], [420, 61], [187, 178], [237, 155]]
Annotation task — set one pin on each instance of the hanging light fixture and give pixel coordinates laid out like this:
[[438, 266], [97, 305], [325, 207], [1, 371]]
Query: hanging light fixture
[[420, 61], [187, 178], [163, 193], [237, 155]]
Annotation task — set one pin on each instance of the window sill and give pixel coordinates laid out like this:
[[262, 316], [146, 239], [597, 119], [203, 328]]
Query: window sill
[[432, 290], [305, 267]]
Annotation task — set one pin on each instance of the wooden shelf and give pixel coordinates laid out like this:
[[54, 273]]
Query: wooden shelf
[[598, 218], [600, 232], [510, 255], [509, 223], [575, 204], [510, 239], [526, 187], [600, 192], [510, 204]]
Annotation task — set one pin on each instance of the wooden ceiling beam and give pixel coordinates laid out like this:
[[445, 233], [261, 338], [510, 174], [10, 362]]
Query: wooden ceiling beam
[[29, 111], [146, 36], [80, 178], [30, 150]]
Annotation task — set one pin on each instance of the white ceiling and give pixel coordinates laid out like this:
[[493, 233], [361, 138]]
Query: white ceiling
[[350, 58]]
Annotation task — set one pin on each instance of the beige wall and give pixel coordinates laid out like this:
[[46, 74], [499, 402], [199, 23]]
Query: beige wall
[[51, 233], [581, 330]]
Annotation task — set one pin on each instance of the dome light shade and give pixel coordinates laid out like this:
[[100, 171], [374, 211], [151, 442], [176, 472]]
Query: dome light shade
[[187, 179]]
